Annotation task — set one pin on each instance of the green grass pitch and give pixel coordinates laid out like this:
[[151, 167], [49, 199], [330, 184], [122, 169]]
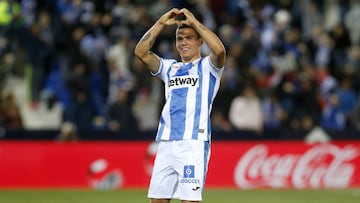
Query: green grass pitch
[[210, 196]]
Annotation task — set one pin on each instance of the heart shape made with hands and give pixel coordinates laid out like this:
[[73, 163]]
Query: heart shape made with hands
[[180, 17]]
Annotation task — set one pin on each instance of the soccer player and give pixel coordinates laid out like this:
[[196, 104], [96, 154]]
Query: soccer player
[[184, 131]]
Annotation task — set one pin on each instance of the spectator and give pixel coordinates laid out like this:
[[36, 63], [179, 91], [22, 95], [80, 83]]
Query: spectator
[[352, 22], [158, 8], [228, 89], [81, 109], [347, 97], [342, 42], [39, 61], [146, 106], [353, 66], [274, 114], [312, 17], [67, 132], [10, 17], [10, 115], [332, 117], [355, 116], [7, 61], [307, 99], [120, 115], [220, 122], [245, 111], [122, 12], [118, 60]]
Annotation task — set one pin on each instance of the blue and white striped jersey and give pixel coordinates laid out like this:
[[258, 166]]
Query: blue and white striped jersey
[[190, 90]]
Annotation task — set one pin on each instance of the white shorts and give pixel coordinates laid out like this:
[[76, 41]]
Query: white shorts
[[180, 170]]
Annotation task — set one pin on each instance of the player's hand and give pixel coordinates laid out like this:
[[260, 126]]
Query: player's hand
[[188, 19], [169, 18]]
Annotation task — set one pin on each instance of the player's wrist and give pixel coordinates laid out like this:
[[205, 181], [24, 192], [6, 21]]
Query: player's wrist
[[161, 22], [195, 23]]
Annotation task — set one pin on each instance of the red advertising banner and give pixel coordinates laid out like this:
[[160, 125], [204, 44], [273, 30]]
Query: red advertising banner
[[76, 164], [237, 164], [285, 165]]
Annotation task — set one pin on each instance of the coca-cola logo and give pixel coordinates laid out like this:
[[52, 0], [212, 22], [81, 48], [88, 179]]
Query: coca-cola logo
[[321, 166]]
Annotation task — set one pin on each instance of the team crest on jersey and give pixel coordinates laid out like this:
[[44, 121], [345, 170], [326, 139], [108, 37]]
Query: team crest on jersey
[[183, 81]]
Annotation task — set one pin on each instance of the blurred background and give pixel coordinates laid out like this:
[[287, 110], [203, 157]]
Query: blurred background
[[68, 75], [68, 65]]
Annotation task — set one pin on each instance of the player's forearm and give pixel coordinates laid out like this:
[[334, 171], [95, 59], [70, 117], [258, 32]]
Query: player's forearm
[[211, 39], [147, 41]]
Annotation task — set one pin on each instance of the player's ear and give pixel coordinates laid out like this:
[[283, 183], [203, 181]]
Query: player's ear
[[201, 41]]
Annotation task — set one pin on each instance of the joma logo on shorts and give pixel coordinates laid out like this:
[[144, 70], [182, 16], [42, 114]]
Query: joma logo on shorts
[[183, 81]]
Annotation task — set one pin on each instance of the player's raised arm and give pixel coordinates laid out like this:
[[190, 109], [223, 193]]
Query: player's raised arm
[[142, 49], [218, 52]]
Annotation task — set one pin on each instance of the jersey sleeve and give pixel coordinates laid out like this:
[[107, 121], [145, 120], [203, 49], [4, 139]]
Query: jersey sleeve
[[165, 65], [213, 69]]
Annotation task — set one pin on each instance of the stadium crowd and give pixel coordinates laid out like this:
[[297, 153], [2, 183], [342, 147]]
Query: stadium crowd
[[290, 64]]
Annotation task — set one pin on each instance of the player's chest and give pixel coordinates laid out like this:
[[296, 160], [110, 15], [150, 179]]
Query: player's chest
[[184, 77]]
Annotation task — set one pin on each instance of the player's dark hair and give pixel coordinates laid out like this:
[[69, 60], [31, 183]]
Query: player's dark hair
[[187, 26]]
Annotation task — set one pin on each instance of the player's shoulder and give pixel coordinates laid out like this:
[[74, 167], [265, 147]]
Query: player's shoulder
[[167, 63], [168, 60]]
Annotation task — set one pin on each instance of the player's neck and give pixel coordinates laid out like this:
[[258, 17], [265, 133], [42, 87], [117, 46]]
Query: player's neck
[[192, 60]]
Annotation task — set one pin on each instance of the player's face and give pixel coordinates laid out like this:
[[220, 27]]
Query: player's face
[[188, 44]]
